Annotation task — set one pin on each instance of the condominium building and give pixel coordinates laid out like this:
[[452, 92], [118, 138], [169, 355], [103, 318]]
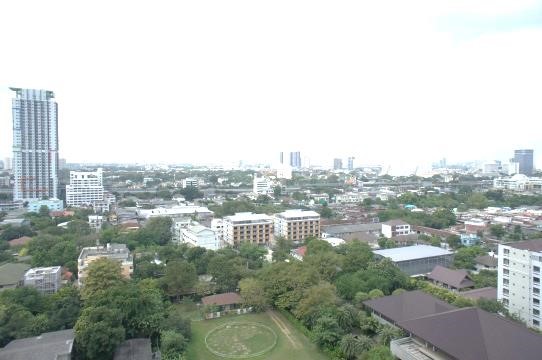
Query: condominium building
[[519, 276], [337, 164], [295, 159], [297, 224], [86, 189], [95, 222], [35, 144], [117, 252], [393, 228], [261, 186], [525, 159], [45, 279], [248, 227], [217, 225], [52, 205], [198, 235]]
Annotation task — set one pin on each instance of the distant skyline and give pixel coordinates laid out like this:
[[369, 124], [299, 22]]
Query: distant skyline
[[391, 83]]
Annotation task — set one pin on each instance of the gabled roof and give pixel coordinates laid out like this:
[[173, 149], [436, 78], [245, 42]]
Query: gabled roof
[[474, 334], [408, 305], [531, 245], [12, 273], [489, 293], [134, 349], [300, 251], [458, 279], [351, 228], [47, 346], [222, 299], [23, 240], [486, 260]]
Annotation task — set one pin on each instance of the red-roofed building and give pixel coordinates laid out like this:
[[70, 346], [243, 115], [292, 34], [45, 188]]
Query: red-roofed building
[[22, 241], [299, 253]]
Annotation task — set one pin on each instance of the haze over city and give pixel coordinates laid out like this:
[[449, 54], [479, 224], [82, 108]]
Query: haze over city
[[389, 83]]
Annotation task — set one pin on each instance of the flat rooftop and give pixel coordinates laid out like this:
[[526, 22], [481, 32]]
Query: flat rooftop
[[297, 213], [248, 216], [42, 270], [412, 252], [531, 245]]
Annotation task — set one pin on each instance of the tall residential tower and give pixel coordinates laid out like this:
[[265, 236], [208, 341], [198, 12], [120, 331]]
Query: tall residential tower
[[525, 159], [35, 144]]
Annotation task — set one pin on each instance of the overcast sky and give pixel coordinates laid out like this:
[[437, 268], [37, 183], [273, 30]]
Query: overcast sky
[[392, 82]]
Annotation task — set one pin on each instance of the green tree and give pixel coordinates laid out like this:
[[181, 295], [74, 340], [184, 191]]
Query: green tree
[[178, 322], [326, 264], [497, 230], [156, 231], [491, 305], [43, 211], [326, 212], [352, 345], [315, 299], [102, 275], [15, 322], [387, 333], [180, 277], [465, 257], [172, 344], [326, 331], [190, 193], [368, 324], [347, 316], [13, 232], [78, 227], [64, 309], [357, 256], [477, 201], [375, 293], [253, 294], [281, 250], [253, 255], [227, 270], [277, 191], [454, 241], [378, 353], [98, 332]]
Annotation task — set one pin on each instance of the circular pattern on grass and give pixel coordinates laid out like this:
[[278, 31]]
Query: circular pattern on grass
[[240, 340]]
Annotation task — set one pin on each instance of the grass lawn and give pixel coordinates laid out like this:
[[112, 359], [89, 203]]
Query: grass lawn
[[291, 344]]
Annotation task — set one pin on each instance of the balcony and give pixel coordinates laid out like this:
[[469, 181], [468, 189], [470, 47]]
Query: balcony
[[408, 349]]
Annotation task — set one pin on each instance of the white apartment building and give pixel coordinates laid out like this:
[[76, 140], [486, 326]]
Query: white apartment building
[[35, 144], [518, 286], [262, 186], [217, 226], [200, 212], [95, 222], [248, 227], [518, 182], [86, 189], [393, 228], [45, 279], [192, 182], [198, 235], [297, 224], [116, 252], [351, 197]]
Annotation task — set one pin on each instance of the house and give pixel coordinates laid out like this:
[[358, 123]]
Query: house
[[395, 227], [353, 231], [134, 349], [423, 230], [22, 241], [439, 331], [299, 253], [450, 279], [469, 239], [333, 241], [489, 293], [486, 262], [225, 301], [198, 235], [394, 309], [417, 259], [11, 275], [56, 345]]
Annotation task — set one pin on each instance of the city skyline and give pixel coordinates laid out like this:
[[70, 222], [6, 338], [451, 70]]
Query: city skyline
[[431, 81]]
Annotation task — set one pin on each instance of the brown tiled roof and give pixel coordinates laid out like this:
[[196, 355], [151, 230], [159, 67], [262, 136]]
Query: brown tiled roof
[[428, 230], [489, 293], [487, 260], [20, 241], [301, 251], [458, 279], [474, 334], [531, 245], [408, 305], [222, 299]]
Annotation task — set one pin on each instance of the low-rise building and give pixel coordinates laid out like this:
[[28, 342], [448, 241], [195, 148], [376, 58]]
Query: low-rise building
[[192, 182], [518, 182], [45, 279], [198, 235], [392, 228], [299, 253], [12, 274], [116, 252], [455, 280], [262, 186], [218, 227], [363, 232], [95, 222], [417, 259], [52, 205], [56, 345], [351, 197], [248, 227], [190, 211], [486, 262], [469, 239], [297, 225]]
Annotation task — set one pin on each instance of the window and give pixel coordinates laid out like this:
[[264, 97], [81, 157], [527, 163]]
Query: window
[[536, 312], [505, 281], [506, 251], [536, 302], [505, 292], [536, 323], [536, 291], [536, 269], [506, 271], [506, 262], [536, 280]]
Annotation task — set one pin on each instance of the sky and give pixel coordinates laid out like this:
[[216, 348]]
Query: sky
[[397, 83]]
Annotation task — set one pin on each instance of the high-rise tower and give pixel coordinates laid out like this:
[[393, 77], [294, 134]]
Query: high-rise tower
[[35, 144], [525, 159]]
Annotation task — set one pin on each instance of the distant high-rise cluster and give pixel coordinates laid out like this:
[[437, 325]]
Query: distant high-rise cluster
[[35, 144], [524, 158], [351, 163], [295, 159], [337, 164]]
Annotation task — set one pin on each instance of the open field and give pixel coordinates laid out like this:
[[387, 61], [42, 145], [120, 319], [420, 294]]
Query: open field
[[290, 343]]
